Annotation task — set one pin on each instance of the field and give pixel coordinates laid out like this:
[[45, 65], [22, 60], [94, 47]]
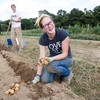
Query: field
[[21, 67]]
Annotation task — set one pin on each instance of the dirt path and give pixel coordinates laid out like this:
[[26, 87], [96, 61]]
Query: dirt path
[[14, 68], [8, 76], [86, 50]]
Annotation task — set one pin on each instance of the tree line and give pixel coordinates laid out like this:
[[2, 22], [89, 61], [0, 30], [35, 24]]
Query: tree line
[[63, 19]]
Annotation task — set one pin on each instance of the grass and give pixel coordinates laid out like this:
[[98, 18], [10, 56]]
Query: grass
[[86, 64], [86, 67]]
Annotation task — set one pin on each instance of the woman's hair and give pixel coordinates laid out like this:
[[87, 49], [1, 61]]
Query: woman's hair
[[40, 18]]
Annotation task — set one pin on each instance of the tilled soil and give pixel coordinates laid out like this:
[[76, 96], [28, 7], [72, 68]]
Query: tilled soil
[[14, 68]]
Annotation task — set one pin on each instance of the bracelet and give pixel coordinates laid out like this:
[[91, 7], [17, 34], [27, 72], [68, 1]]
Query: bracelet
[[50, 59]]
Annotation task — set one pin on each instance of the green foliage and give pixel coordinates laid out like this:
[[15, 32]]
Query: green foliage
[[33, 32], [87, 32], [80, 25], [75, 32], [26, 24], [74, 29], [96, 30], [64, 19], [61, 12], [85, 36]]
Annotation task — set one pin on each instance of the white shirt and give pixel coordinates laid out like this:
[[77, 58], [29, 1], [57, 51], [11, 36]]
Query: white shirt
[[15, 16]]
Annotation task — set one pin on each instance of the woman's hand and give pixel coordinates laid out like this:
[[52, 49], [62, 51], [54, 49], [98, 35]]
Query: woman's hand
[[45, 61]]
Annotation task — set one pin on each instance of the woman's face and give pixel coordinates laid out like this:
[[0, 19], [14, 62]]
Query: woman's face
[[48, 25]]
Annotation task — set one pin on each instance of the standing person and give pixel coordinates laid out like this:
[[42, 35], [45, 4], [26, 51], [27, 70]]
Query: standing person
[[16, 33], [60, 58]]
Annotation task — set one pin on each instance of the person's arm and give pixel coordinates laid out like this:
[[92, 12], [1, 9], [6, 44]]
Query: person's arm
[[65, 45], [39, 68], [10, 22], [42, 55], [18, 20]]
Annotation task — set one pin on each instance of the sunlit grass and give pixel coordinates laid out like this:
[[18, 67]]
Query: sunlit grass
[[86, 65]]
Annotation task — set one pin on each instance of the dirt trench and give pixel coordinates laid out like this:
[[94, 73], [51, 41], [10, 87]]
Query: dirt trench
[[40, 91], [23, 70]]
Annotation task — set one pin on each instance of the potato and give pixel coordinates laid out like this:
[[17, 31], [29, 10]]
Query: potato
[[13, 88], [12, 91], [12, 85], [7, 92], [40, 64], [16, 88], [45, 62], [46, 58], [40, 60], [17, 85]]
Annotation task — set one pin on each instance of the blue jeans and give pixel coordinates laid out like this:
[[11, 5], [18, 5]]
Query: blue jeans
[[59, 67]]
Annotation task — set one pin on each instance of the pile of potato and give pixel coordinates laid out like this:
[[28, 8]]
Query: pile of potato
[[13, 87], [43, 61]]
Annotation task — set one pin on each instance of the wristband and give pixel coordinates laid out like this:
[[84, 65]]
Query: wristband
[[50, 59]]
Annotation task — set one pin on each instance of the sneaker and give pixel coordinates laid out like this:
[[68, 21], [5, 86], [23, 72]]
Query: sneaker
[[58, 78], [68, 79], [16, 49], [36, 79], [20, 50]]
